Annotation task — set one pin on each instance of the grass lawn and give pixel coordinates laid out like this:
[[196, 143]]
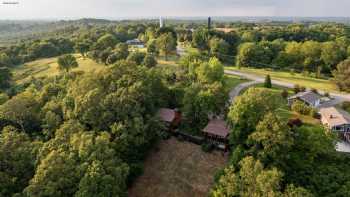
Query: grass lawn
[[297, 78], [276, 89], [232, 81], [285, 113], [178, 169], [171, 60], [49, 67]]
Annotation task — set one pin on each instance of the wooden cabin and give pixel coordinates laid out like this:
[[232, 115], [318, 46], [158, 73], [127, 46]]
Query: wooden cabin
[[171, 117], [217, 132]]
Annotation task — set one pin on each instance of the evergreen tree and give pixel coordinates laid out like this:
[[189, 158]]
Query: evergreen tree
[[268, 83]]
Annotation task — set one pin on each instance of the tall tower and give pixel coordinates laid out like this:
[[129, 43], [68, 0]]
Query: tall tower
[[161, 22], [209, 23]]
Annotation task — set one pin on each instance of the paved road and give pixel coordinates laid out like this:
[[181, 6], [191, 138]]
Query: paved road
[[235, 91], [338, 98]]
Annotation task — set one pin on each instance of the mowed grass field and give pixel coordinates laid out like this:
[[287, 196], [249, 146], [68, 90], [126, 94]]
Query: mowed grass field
[[231, 81], [178, 169], [296, 78], [49, 67]]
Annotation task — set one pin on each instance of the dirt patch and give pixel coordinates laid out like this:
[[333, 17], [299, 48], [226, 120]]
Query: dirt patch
[[178, 169]]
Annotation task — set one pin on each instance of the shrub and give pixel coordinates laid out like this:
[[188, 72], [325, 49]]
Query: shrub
[[296, 88], [313, 113], [164, 135], [300, 108], [326, 94], [207, 147], [295, 122], [346, 106], [284, 93], [268, 83]]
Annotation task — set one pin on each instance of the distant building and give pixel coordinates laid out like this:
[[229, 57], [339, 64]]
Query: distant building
[[161, 22], [309, 98], [171, 117], [136, 42], [217, 132], [337, 121]]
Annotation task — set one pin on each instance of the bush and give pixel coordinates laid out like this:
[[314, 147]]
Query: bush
[[326, 94], [284, 94], [301, 108], [314, 113], [164, 135], [295, 122], [296, 88], [136, 170], [346, 106], [207, 147], [268, 83]]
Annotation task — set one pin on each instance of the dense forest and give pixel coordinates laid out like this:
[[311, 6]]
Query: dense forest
[[87, 134]]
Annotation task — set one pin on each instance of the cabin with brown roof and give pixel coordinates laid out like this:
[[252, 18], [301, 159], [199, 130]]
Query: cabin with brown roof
[[217, 132], [171, 117]]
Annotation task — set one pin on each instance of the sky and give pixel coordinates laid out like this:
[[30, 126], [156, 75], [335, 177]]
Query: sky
[[114, 9]]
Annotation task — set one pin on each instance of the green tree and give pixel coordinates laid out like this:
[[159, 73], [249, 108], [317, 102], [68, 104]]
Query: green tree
[[249, 109], [5, 78], [5, 60], [106, 41], [267, 83], [272, 139], [152, 47], [67, 62], [251, 54], [332, 54], [209, 72], [200, 39], [137, 57], [166, 44], [18, 157], [82, 47], [342, 76], [219, 48], [149, 61], [22, 110]]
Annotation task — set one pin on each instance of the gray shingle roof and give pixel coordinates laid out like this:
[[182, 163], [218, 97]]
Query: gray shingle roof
[[309, 97]]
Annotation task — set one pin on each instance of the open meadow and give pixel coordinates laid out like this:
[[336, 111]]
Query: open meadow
[[49, 67]]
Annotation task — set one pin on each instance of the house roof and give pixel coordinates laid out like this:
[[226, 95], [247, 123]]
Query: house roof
[[217, 127], [308, 96], [334, 117], [167, 115]]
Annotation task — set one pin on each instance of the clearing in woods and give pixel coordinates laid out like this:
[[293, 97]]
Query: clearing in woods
[[178, 169], [49, 67]]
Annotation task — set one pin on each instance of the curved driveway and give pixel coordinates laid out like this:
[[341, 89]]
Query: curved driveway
[[338, 98]]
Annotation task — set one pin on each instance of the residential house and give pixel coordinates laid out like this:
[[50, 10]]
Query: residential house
[[337, 121], [309, 98], [136, 42]]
